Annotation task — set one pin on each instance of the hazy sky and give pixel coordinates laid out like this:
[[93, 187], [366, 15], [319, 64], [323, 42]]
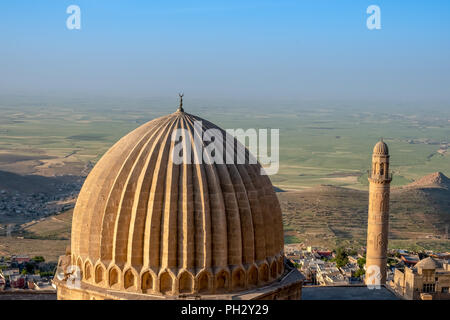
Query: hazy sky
[[298, 49]]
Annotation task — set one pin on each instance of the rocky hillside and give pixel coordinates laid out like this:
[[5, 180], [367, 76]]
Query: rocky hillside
[[27, 197], [328, 215], [434, 180], [324, 215]]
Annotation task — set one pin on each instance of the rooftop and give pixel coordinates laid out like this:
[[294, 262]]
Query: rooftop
[[346, 293], [428, 264]]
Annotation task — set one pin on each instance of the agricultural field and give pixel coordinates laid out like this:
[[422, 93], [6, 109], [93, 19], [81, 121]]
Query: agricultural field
[[324, 216], [53, 141], [47, 237], [325, 151], [320, 143]]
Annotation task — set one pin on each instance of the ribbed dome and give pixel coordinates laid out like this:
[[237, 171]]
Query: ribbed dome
[[381, 148], [145, 224]]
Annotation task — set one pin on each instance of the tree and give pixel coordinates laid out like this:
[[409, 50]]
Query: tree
[[361, 262], [46, 274], [359, 273], [38, 259], [341, 258], [29, 267], [391, 262]]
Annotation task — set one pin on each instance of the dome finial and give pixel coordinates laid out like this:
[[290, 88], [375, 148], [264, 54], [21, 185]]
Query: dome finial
[[180, 108]]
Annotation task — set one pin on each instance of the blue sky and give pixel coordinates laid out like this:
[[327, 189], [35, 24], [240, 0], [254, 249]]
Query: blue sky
[[295, 49]]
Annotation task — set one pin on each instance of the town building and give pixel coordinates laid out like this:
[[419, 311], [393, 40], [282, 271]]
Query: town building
[[11, 272], [429, 279], [2, 281], [17, 281], [410, 259], [20, 258]]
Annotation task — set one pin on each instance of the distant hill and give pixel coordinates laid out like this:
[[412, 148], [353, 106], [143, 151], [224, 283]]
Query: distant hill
[[13, 182], [324, 215], [332, 216], [434, 180]]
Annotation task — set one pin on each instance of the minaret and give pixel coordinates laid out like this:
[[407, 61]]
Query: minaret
[[378, 220]]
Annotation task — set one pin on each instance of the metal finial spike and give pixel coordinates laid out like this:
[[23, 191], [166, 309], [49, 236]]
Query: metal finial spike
[[180, 108]]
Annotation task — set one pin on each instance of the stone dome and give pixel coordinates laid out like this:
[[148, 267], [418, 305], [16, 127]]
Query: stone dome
[[426, 264], [381, 148], [147, 225]]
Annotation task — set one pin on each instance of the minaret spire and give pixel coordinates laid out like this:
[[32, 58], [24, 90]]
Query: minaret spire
[[378, 219], [180, 108]]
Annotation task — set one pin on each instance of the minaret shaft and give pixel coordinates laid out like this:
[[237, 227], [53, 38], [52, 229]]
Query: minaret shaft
[[378, 218]]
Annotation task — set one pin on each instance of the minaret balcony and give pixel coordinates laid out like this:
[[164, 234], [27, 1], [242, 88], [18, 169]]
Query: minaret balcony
[[378, 177]]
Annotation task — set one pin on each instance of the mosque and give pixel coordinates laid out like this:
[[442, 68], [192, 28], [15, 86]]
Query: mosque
[[147, 228]]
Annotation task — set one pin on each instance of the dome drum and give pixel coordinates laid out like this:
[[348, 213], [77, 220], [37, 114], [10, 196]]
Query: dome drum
[[183, 281]]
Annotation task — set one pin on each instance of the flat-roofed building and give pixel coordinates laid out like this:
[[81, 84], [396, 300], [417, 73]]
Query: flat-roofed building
[[428, 279]]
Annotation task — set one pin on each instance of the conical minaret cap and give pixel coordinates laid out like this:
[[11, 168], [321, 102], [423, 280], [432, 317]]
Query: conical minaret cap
[[381, 148]]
